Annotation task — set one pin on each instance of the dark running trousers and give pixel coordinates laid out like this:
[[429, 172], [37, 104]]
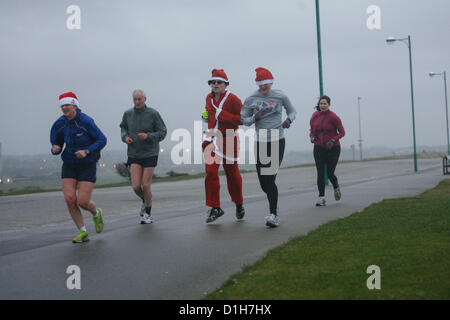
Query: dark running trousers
[[329, 157], [267, 182]]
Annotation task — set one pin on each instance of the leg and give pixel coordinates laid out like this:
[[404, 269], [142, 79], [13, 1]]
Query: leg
[[212, 185], [320, 166], [69, 187], [136, 179], [332, 160], [84, 196], [234, 182], [147, 176]]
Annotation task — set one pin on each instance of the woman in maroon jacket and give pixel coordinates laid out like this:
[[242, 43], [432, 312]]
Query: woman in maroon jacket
[[326, 131]]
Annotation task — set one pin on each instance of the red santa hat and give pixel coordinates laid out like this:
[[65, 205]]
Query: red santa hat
[[68, 98], [263, 76], [219, 74]]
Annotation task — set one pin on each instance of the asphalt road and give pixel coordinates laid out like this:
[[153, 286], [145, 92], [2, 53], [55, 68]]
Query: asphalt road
[[179, 256]]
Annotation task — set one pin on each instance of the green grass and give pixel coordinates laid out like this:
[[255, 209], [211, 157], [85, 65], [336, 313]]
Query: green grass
[[408, 238]]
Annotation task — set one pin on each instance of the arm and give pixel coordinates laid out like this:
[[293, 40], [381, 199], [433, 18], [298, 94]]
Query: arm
[[290, 110], [124, 128], [56, 139], [247, 113], [229, 118], [160, 130], [340, 129], [312, 134], [96, 135]]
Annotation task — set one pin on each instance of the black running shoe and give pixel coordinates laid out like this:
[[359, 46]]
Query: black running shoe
[[240, 212], [214, 214]]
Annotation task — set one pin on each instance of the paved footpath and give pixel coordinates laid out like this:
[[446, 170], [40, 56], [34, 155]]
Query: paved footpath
[[178, 256]]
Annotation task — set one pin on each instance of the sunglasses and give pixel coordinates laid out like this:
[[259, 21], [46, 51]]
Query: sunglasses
[[210, 82]]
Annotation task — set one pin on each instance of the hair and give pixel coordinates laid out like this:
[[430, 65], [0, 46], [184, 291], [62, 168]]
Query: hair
[[320, 99], [139, 91]]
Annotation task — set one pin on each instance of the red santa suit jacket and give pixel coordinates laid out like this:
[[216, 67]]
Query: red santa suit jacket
[[224, 116]]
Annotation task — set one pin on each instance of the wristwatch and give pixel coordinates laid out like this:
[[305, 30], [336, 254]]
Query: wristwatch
[[87, 151]]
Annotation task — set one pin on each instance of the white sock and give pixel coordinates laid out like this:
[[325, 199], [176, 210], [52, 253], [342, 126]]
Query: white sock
[[83, 228]]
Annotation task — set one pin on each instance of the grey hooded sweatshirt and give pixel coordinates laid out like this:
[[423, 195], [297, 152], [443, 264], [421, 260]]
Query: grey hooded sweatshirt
[[273, 103]]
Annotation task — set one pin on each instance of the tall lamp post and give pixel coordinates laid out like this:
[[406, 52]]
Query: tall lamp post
[[432, 74], [407, 41], [360, 136], [319, 55]]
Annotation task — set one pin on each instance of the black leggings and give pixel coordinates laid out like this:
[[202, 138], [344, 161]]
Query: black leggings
[[267, 181], [329, 157]]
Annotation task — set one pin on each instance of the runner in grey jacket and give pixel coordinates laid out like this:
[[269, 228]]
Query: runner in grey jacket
[[142, 128], [145, 120], [264, 109]]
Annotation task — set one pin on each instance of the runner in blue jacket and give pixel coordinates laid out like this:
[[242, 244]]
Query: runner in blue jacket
[[83, 141]]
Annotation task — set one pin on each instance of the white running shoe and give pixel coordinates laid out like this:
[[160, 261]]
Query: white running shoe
[[146, 219], [142, 209], [272, 220], [321, 202]]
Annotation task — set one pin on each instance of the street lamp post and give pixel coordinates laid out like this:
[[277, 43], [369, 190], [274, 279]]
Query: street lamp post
[[319, 48], [319, 55], [407, 41], [360, 136], [432, 74]]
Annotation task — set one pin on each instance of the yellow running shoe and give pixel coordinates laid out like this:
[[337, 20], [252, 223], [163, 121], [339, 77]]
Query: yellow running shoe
[[82, 236], [98, 220]]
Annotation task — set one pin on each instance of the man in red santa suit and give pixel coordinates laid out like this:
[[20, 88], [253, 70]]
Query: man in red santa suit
[[221, 145]]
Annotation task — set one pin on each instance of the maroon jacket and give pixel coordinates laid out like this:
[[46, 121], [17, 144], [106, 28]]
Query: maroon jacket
[[326, 126]]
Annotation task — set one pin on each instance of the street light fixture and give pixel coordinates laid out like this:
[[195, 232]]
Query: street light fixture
[[407, 41], [444, 74]]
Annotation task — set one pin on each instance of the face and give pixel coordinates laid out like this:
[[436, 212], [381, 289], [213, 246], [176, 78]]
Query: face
[[218, 87], [265, 88], [139, 100], [69, 111], [324, 105]]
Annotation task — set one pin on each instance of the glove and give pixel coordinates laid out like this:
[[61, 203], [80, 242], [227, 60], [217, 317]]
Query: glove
[[330, 143], [287, 123], [205, 115], [313, 139]]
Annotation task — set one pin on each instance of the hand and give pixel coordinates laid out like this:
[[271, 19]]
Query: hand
[[330, 143], [56, 149], [205, 115], [313, 139], [287, 123], [128, 140], [142, 136], [80, 154]]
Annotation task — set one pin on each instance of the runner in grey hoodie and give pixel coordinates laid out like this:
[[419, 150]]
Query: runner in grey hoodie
[[264, 109]]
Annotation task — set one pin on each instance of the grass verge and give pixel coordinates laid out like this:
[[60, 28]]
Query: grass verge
[[408, 238]]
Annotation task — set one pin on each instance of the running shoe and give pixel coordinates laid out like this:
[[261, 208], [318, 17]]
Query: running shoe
[[337, 194], [146, 219], [142, 209], [272, 220], [214, 214], [321, 202], [240, 212], [98, 220], [82, 236]]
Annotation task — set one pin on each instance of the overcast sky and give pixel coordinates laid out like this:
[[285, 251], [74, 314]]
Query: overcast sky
[[168, 49]]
